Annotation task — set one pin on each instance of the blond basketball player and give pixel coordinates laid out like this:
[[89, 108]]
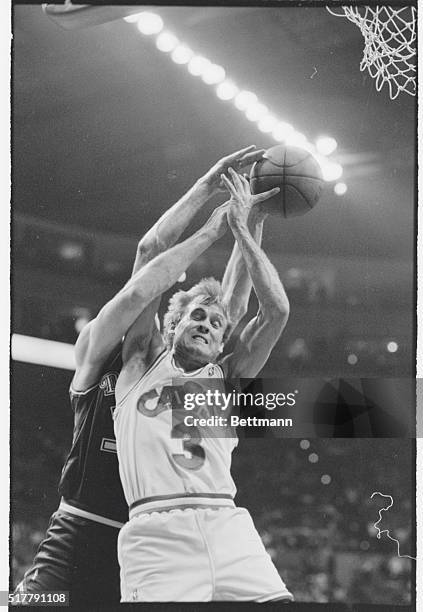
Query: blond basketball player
[[186, 540], [79, 553]]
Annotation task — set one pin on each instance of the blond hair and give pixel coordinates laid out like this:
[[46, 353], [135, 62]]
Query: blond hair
[[210, 291]]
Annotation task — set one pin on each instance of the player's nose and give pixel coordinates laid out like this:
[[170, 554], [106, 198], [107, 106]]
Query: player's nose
[[203, 329]]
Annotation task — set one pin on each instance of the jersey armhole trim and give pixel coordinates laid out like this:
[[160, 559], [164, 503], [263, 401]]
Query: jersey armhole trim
[[222, 371], [159, 358], [73, 391]]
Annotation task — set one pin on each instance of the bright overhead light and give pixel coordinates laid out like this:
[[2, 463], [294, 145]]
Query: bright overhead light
[[181, 54], [149, 23], [296, 139], [352, 359], [392, 347], [331, 171], [282, 131], [326, 145], [340, 189], [256, 111], [267, 123], [166, 42], [132, 18], [245, 99], [198, 65], [308, 146], [213, 74], [226, 90]]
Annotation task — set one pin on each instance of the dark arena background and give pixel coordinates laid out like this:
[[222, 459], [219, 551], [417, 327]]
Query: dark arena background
[[109, 130]]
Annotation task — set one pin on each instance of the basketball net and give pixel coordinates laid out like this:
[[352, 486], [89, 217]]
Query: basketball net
[[390, 44]]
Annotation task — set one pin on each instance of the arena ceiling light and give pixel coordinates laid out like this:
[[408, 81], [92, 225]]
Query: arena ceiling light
[[256, 111], [213, 74], [331, 170], [267, 124], [132, 18], [149, 23], [181, 54], [296, 139], [340, 189], [226, 90], [326, 145], [282, 131], [42, 352], [244, 100], [166, 41], [198, 65]]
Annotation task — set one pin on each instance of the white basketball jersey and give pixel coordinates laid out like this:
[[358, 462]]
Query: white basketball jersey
[[151, 461]]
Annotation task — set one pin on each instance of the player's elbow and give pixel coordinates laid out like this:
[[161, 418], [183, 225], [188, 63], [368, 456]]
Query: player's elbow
[[146, 251], [278, 311], [135, 298]]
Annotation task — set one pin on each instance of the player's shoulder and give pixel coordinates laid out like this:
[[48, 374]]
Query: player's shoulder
[[89, 377], [222, 368], [134, 369]]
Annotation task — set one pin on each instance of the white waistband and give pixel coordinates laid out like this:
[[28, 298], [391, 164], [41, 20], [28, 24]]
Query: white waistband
[[187, 501], [89, 515]]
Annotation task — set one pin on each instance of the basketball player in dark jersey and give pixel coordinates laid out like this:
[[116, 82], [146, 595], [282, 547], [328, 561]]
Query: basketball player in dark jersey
[[79, 552]]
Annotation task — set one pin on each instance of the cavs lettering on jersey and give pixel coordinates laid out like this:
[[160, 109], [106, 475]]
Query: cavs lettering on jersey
[[151, 461]]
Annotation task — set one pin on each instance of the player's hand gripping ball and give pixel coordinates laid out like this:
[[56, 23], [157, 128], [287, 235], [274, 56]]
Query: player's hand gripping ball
[[298, 175]]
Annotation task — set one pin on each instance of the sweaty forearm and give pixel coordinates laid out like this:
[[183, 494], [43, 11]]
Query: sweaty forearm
[[164, 270], [236, 282], [168, 229], [264, 277]]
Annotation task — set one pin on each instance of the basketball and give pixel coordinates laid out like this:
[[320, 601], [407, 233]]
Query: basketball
[[298, 175]]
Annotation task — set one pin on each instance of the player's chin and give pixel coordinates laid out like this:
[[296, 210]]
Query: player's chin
[[201, 351]]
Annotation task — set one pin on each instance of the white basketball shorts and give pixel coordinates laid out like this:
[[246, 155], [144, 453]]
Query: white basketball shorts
[[196, 554]]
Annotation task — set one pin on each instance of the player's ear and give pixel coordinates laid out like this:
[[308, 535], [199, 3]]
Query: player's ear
[[221, 347]]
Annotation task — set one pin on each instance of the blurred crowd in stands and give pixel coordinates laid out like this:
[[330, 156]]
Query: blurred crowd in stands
[[310, 499]]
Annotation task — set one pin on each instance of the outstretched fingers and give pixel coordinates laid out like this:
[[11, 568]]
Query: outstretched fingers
[[261, 197], [250, 158], [229, 185], [238, 155], [237, 180]]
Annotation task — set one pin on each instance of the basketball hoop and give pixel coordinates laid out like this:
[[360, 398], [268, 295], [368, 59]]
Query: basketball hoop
[[390, 44]]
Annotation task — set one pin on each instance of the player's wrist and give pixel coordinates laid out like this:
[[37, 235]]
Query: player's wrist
[[238, 222], [257, 215], [205, 187]]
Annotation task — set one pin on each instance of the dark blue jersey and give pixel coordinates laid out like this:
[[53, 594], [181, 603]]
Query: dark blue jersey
[[90, 477]]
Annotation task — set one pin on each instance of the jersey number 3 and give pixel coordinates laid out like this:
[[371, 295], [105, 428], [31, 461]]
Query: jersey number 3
[[193, 455]]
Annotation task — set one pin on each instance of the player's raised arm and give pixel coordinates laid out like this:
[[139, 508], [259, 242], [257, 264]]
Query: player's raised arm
[[262, 332], [236, 282], [165, 233], [168, 229], [117, 316]]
